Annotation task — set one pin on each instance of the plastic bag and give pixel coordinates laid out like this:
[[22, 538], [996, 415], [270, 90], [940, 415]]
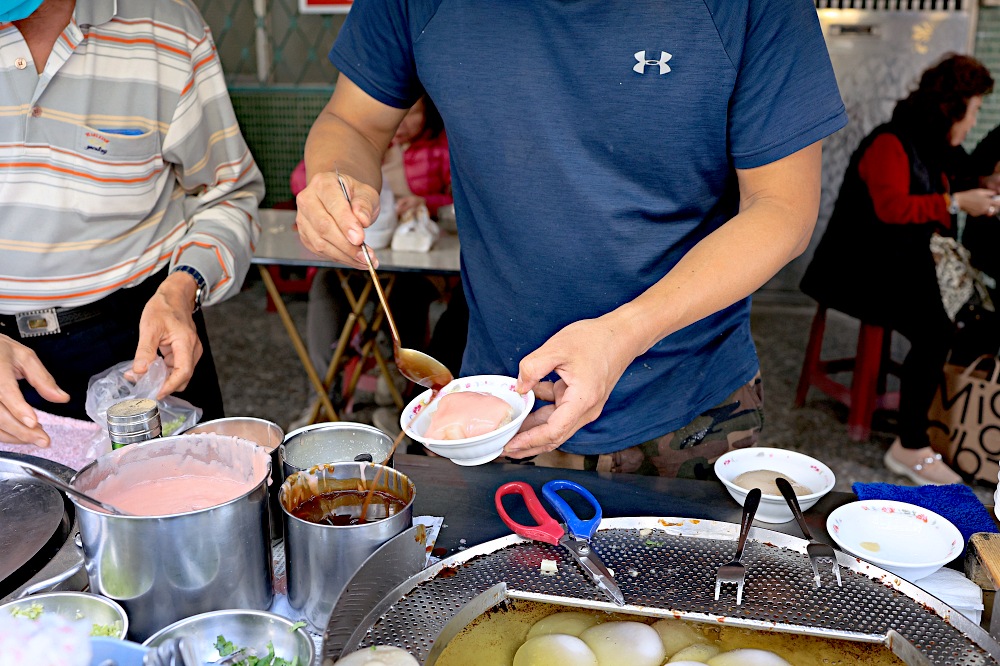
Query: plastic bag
[[111, 386]]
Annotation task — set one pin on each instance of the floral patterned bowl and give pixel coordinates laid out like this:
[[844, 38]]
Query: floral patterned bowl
[[797, 467], [905, 539], [416, 418]]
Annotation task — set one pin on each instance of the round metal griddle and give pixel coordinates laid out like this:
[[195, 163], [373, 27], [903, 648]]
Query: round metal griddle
[[35, 521], [665, 567]]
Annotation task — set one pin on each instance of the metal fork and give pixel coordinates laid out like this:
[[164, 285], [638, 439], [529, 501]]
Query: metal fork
[[818, 552], [734, 572]]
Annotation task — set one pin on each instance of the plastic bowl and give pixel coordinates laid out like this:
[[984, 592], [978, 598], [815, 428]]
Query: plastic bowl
[[798, 467], [907, 540], [415, 420], [92, 608], [245, 629]]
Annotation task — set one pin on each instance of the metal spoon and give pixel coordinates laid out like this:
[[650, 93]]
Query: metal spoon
[[415, 365], [70, 490]]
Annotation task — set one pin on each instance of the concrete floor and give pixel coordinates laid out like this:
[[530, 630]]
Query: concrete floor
[[261, 376]]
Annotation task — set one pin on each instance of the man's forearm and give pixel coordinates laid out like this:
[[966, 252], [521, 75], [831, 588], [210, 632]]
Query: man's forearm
[[334, 144]]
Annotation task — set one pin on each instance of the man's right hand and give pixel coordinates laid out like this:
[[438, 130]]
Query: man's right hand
[[329, 225], [18, 422]]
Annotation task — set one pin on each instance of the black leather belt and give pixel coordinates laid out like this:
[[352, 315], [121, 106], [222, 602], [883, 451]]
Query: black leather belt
[[51, 321]]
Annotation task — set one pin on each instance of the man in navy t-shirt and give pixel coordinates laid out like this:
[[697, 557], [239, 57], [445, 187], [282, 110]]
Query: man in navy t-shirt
[[625, 175]]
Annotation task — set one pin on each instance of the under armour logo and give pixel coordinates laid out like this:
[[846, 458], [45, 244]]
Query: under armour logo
[[640, 56]]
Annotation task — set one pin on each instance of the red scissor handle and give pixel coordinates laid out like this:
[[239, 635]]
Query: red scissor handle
[[547, 530]]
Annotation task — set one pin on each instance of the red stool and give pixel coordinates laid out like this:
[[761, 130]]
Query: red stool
[[289, 285], [870, 366]]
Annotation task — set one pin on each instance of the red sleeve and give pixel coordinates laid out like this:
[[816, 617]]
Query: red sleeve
[[885, 168]]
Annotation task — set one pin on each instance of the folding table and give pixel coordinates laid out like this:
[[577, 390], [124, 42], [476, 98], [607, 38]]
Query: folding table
[[279, 244]]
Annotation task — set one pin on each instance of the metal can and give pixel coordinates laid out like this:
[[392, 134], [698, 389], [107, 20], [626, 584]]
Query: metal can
[[133, 420]]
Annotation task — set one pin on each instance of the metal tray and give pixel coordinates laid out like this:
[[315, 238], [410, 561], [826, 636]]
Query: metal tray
[[666, 568]]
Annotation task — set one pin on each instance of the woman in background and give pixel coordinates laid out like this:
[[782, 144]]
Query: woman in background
[[874, 260]]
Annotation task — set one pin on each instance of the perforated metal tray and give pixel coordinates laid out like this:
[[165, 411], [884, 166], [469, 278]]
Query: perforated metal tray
[[666, 568]]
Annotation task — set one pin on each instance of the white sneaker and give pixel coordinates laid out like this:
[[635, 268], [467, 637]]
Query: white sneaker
[[923, 466]]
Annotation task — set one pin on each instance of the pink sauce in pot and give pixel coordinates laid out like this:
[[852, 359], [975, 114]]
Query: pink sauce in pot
[[468, 414], [173, 494]]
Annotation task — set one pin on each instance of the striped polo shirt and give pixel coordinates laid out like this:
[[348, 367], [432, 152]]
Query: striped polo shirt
[[124, 156]]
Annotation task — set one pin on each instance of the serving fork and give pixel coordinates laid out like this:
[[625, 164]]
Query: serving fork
[[818, 552], [735, 572]]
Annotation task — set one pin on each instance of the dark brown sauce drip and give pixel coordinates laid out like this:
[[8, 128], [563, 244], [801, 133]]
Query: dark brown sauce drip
[[343, 507]]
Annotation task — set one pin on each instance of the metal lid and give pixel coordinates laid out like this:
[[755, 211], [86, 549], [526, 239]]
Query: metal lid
[[131, 412], [32, 511]]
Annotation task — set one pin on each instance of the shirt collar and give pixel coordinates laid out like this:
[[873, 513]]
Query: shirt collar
[[95, 12]]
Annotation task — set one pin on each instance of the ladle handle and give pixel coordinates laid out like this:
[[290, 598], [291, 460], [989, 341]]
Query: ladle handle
[[793, 503], [371, 270], [750, 505], [43, 475]]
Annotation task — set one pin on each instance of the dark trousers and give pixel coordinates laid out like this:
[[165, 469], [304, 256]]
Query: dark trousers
[[84, 349]]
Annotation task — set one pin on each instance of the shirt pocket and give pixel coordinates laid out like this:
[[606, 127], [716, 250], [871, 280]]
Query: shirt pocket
[[121, 146]]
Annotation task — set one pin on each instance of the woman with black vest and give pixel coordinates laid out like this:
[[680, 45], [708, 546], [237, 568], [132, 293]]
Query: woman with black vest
[[874, 260]]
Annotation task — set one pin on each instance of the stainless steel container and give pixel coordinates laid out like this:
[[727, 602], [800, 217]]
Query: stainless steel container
[[321, 559], [164, 568], [323, 443], [263, 433]]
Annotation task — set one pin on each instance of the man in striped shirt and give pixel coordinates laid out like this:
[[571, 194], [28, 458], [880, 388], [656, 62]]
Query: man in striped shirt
[[127, 201]]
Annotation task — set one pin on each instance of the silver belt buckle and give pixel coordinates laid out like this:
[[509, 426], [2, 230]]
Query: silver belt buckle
[[37, 322]]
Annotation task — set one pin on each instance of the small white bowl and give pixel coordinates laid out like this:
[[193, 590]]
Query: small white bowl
[[911, 541], [798, 467], [416, 418]]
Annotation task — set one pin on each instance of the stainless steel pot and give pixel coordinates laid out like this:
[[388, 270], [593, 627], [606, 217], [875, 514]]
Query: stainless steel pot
[[263, 433], [321, 559], [323, 443], [164, 568]]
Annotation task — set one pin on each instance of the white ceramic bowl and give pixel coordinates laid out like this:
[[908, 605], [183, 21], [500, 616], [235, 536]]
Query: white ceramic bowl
[[798, 467], [416, 418], [905, 539]]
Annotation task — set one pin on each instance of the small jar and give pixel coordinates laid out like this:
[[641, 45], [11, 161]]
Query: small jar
[[133, 420]]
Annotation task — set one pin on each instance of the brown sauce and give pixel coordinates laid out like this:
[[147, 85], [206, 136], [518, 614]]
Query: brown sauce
[[343, 507]]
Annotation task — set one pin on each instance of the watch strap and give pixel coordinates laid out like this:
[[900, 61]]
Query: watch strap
[[202, 285]]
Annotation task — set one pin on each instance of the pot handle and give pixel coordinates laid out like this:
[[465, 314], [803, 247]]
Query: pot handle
[[49, 583]]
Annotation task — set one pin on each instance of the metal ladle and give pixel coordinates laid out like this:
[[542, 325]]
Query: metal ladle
[[70, 490], [415, 365]]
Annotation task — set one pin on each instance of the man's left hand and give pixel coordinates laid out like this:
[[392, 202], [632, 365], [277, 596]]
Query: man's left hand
[[589, 356], [167, 326]]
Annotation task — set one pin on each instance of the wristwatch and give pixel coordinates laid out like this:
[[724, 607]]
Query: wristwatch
[[199, 279], [953, 207]]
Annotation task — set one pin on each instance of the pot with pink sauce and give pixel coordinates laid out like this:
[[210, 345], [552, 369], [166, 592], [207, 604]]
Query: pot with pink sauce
[[199, 539]]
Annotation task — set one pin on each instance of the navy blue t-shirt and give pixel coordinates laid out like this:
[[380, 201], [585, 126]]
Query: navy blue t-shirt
[[593, 143]]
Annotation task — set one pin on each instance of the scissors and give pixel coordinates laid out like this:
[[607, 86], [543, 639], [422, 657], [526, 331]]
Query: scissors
[[575, 538]]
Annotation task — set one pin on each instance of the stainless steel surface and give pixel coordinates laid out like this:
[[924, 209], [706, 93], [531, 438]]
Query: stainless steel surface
[[244, 628], [164, 568], [734, 572], [394, 562], [819, 553], [323, 443], [877, 54], [75, 606], [666, 567], [263, 433], [32, 512], [321, 559], [58, 483]]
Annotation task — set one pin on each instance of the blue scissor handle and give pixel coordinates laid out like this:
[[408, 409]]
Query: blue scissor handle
[[574, 524]]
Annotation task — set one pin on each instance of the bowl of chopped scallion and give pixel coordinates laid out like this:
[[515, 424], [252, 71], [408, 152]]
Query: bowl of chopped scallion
[[105, 617], [241, 638]]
